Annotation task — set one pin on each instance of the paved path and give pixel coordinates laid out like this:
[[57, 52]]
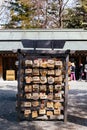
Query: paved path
[[77, 110]]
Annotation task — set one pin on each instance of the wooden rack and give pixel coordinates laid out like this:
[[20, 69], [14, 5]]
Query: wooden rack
[[42, 85]]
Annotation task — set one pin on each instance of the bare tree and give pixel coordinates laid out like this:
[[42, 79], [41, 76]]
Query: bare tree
[[43, 13], [4, 12], [54, 12]]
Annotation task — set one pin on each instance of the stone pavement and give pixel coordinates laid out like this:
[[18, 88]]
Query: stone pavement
[[77, 109]]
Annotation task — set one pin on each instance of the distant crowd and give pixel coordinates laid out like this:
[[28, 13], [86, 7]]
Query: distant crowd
[[81, 70]]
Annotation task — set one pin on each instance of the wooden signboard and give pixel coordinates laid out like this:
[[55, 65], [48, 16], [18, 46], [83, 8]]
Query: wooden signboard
[[10, 74]]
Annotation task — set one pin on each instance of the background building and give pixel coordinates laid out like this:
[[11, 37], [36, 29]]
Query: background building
[[10, 40]]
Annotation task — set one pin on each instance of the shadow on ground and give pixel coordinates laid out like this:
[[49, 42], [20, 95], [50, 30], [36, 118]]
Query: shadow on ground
[[77, 107], [8, 114], [77, 113], [77, 120], [7, 105]]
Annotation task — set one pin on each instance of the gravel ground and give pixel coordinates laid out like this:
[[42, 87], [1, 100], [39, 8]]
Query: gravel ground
[[77, 109]]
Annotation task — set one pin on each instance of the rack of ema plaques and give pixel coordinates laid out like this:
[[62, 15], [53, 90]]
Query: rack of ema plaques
[[42, 85]]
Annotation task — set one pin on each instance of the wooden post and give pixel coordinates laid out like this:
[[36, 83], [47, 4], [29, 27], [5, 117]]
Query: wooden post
[[1, 68], [19, 82], [66, 88]]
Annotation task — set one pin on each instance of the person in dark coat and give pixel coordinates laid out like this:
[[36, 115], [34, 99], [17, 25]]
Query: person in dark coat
[[81, 71]]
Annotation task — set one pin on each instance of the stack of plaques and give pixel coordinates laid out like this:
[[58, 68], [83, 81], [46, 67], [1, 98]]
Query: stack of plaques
[[41, 88]]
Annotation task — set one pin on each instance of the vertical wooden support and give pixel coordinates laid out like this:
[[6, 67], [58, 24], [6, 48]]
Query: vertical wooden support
[[66, 87], [19, 82], [1, 68]]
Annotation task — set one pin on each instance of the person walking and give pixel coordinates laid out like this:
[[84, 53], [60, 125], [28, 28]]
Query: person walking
[[72, 77]]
